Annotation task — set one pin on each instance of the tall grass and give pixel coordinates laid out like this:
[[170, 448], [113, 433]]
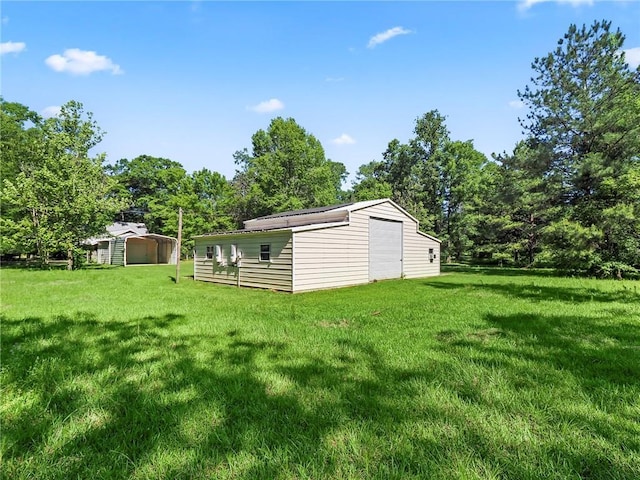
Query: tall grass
[[121, 373]]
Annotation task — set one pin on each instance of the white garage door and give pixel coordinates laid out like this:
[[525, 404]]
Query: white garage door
[[385, 249]]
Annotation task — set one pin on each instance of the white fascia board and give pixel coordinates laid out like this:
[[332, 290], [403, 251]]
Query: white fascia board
[[121, 233], [242, 233], [154, 235], [371, 203], [318, 226], [366, 204], [299, 228], [292, 221], [429, 236]]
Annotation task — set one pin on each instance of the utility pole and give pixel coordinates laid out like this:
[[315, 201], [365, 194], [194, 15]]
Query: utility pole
[[179, 244]]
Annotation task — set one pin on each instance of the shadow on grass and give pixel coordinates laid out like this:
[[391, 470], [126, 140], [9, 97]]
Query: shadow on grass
[[535, 292], [576, 370], [600, 355], [500, 271], [87, 398], [601, 352], [56, 265]]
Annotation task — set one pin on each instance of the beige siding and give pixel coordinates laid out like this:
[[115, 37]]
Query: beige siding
[[338, 257], [275, 274], [415, 246], [104, 252], [331, 257], [141, 251], [313, 259], [416, 256], [167, 251]]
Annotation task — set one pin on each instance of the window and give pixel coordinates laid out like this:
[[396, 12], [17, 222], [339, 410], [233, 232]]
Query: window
[[218, 252], [209, 251], [265, 253], [234, 254], [432, 255]]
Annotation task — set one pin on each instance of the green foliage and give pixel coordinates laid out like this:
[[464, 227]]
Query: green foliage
[[515, 203], [434, 178], [370, 183], [19, 144], [59, 195], [569, 196], [585, 101], [287, 170], [148, 182], [461, 167], [206, 200], [616, 270], [19, 139], [572, 246], [158, 187], [585, 111]]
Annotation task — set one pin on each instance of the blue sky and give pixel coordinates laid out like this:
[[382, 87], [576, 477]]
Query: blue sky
[[193, 81]]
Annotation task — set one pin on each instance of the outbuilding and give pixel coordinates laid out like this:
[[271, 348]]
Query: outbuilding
[[319, 248], [128, 243]]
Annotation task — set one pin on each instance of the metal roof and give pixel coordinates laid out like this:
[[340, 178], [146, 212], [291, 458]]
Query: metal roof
[[121, 228], [304, 211], [125, 230], [295, 229], [313, 223]]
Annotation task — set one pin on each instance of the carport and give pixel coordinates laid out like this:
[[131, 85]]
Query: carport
[[150, 249]]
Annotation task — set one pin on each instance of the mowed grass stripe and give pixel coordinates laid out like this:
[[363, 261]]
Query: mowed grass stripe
[[121, 373]]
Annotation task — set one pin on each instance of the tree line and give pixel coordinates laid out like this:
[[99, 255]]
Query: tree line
[[567, 196]]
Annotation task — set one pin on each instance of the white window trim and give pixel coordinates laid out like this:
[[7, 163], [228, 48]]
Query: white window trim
[[260, 253], [234, 254]]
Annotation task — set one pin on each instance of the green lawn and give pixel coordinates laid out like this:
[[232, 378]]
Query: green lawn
[[121, 373]]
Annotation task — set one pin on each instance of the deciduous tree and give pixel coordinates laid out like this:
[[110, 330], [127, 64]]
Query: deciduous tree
[[433, 178], [286, 170], [60, 194]]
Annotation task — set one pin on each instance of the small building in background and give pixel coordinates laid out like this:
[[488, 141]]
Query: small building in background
[[319, 248], [130, 243]]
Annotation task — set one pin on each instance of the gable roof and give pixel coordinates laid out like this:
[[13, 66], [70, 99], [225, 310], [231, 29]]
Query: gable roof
[[303, 211], [310, 216], [342, 206], [311, 219], [121, 229]]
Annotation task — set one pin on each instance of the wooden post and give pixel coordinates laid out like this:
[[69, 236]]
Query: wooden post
[[179, 244]]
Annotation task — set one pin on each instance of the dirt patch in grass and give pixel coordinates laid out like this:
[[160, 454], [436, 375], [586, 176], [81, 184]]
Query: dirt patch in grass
[[487, 334]]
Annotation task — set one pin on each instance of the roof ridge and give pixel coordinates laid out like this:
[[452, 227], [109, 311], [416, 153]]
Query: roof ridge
[[304, 211]]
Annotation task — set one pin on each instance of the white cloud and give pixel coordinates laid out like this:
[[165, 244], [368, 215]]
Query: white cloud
[[334, 79], [632, 56], [12, 47], [527, 4], [82, 62], [343, 139], [268, 106], [5, 20], [516, 104], [388, 35], [52, 111]]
